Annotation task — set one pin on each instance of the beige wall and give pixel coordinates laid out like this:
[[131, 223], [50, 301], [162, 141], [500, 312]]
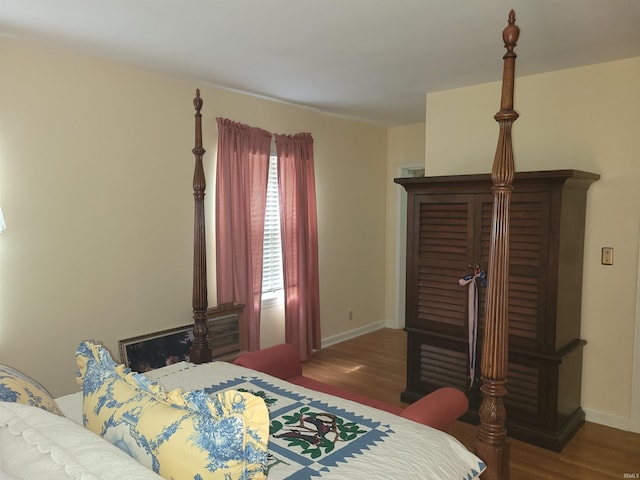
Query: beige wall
[[95, 183], [586, 119]]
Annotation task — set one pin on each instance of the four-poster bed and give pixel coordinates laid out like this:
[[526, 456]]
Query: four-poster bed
[[200, 351], [220, 420], [492, 444]]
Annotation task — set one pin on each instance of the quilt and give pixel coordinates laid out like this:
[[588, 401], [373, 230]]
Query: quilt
[[318, 436]]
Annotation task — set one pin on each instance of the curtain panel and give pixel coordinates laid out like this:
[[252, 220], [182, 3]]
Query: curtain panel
[[241, 192], [299, 219]]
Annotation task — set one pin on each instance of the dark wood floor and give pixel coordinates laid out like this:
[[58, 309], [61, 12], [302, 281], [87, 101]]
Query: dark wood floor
[[374, 364]]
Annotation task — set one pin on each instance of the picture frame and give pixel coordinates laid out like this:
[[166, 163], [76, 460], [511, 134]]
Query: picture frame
[[158, 349], [155, 350]]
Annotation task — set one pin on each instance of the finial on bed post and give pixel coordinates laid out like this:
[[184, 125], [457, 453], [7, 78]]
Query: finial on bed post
[[492, 445], [200, 351]]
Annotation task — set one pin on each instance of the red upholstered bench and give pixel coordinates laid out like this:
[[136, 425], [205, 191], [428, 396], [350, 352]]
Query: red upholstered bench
[[439, 409]]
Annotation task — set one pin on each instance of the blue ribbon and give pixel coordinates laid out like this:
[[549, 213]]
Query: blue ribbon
[[472, 282]]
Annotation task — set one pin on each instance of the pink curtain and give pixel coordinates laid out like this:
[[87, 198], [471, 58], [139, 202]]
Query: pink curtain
[[299, 219], [241, 195]]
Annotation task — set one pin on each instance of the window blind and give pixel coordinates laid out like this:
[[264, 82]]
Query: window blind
[[272, 254]]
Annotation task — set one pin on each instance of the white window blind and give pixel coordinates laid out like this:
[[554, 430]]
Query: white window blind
[[272, 255]]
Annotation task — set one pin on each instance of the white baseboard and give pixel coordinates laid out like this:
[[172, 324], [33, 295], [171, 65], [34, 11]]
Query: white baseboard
[[607, 419], [341, 337]]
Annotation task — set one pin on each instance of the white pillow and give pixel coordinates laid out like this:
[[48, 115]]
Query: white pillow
[[38, 445], [71, 406]]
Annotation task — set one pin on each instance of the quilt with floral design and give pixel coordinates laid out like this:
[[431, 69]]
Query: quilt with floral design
[[315, 435]]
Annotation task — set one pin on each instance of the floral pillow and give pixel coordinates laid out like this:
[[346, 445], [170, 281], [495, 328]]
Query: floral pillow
[[17, 387], [178, 435]]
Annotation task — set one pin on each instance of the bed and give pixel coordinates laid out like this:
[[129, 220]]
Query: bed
[[492, 445], [236, 422]]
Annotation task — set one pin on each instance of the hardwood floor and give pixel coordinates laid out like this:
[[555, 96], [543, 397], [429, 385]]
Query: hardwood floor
[[375, 365]]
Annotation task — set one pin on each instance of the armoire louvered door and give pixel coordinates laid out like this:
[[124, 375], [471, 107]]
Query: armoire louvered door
[[448, 234], [443, 245]]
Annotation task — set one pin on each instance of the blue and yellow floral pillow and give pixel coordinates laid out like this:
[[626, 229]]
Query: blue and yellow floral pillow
[[17, 387], [178, 435]]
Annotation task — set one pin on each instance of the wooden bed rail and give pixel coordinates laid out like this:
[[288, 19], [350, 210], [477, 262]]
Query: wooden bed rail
[[200, 351], [492, 444]]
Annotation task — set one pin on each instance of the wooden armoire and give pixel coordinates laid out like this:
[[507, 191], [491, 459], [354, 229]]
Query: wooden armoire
[[448, 234]]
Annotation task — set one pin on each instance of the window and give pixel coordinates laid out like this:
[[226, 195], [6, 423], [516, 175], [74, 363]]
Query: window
[[272, 256]]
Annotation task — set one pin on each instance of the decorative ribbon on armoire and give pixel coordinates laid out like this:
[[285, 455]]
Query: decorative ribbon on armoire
[[472, 282]]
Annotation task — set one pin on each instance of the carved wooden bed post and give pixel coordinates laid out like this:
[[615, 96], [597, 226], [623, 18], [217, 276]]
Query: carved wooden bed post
[[200, 351], [492, 445]]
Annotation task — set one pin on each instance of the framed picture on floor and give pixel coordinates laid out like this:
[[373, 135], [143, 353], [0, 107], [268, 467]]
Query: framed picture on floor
[[155, 350]]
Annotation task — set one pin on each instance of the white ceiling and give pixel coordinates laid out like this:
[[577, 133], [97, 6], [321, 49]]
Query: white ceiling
[[368, 59]]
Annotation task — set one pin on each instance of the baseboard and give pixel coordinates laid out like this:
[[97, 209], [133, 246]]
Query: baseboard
[[393, 324], [341, 337], [613, 421]]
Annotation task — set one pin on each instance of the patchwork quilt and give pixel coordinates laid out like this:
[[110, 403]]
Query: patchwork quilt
[[315, 435]]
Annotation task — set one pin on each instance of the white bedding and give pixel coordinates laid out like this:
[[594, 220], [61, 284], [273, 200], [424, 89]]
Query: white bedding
[[40, 445], [71, 406], [391, 448]]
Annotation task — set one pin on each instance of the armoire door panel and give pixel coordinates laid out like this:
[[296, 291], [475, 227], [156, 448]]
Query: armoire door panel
[[529, 230], [523, 392], [444, 228], [524, 295], [444, 249], [436, 362], [440, 299], [442, 367]]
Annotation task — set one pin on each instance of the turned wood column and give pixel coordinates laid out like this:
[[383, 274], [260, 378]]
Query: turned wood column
[[492, 444], [200, 351]]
